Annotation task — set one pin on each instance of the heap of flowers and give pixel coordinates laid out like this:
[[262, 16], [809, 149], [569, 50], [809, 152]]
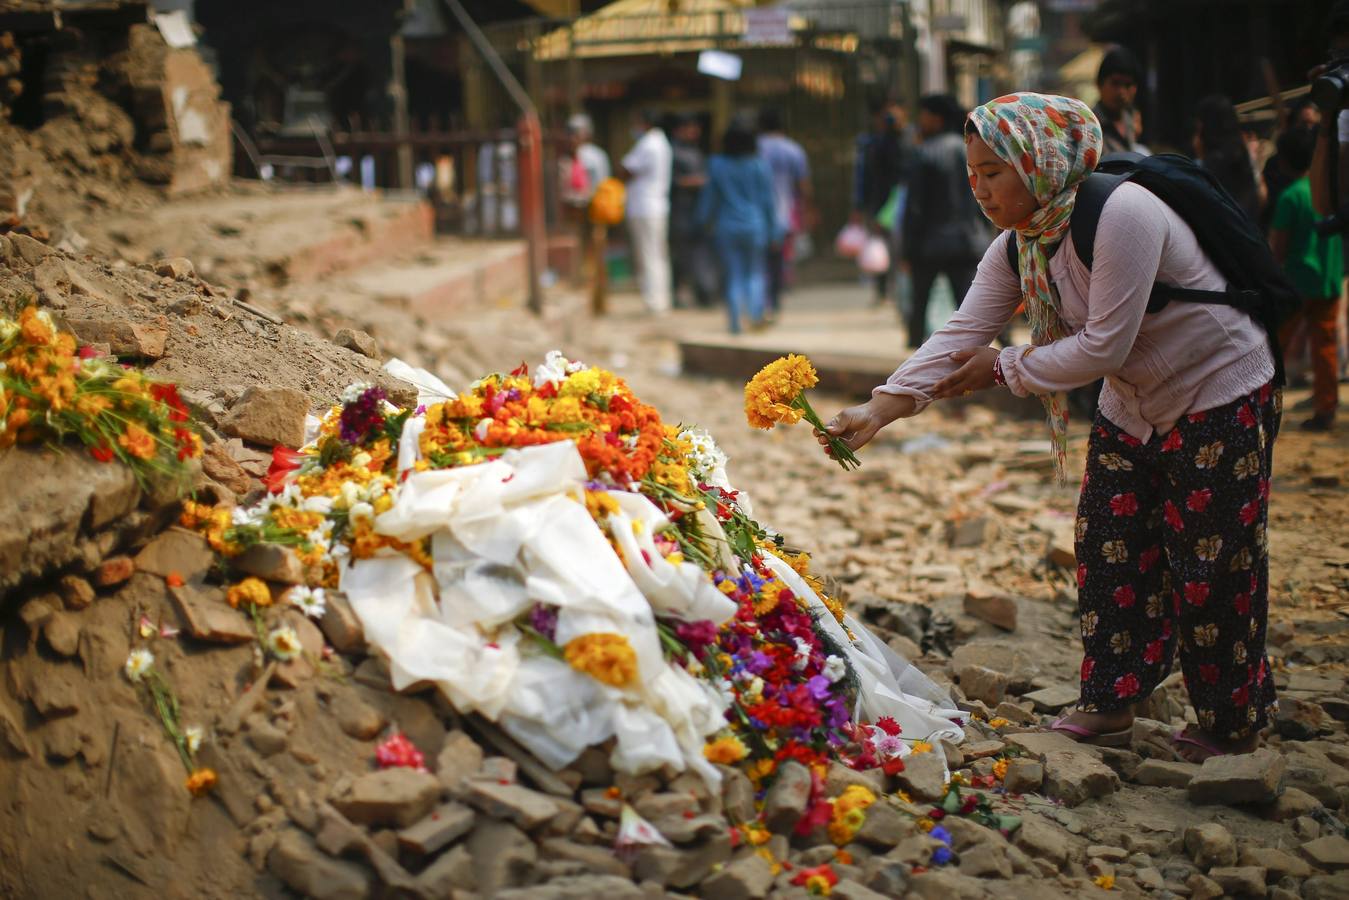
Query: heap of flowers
[[51, 390], [784, 678]]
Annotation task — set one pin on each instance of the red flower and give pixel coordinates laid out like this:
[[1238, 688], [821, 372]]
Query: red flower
[[893, 766], [1148, 558], [1249, 513], [1242, 604], [1197, 417], [817, 816], [1081, 575], [1199, 500], [398, 751], [1126, 685], [1241, 695], [1124, 596], [1166, 629], [102, 453], [1089, 158], [1124, 504], [1173, 440], [1264, 393], [1172, 516], [1196, 592], [1263, 486], [1208, 673], [1245, 416], [888, 725], [1129, 440], [284, 461], [1152, 653], [1088, 666]]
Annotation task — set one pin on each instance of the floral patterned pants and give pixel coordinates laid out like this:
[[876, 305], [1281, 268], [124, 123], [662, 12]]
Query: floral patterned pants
[[1171, 549]]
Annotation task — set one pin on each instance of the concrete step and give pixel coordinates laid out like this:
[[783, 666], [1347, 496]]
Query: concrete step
[[272, 236]]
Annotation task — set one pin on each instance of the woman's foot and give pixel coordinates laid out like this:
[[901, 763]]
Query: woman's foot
[[1196, 745], [1112, 728]]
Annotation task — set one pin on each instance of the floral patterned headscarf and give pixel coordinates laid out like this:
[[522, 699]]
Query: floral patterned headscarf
[[1053, 144]]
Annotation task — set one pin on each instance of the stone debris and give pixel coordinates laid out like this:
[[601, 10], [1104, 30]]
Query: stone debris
[[269, 417], [1245, 778]]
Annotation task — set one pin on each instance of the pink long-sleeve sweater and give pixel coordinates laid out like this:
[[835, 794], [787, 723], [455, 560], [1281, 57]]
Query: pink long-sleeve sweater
[[1157, 368]]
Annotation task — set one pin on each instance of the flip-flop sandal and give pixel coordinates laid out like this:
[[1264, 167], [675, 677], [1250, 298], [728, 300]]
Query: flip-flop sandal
[[1094, 738], [1208, 747]]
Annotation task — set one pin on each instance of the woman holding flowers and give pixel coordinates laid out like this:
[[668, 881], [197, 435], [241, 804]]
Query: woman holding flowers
[[1171, 542]]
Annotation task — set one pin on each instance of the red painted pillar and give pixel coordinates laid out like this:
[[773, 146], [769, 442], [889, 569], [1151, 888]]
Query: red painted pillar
[[532, 222]]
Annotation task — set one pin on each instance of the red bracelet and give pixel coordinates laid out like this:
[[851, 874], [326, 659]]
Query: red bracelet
[[997, 371]]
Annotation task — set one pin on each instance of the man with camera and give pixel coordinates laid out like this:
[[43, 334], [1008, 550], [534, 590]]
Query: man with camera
[[1330, 163]]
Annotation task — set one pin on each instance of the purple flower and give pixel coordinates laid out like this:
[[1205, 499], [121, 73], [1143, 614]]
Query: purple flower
[[941, 856], [819, 687], [838, 713], [362, 415], [759, 662], [543, 619], [941, 834]]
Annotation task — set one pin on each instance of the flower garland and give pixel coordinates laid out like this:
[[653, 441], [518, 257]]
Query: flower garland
[[50, 391]]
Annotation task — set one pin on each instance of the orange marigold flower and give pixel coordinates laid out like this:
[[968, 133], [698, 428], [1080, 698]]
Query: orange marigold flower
[[138, 442], [201, 782], [605, 657], [173, 579], [250, 590]]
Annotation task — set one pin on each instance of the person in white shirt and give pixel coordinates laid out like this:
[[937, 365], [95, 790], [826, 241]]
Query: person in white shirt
[[646, 169]]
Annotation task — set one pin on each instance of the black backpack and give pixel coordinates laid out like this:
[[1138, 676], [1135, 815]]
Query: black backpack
[[1256, 283]]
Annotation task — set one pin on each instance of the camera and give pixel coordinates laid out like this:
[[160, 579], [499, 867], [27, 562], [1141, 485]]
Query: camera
[[1330, 91]]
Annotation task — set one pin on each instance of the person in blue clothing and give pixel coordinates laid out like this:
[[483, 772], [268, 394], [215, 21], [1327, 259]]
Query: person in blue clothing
[[737, 204]]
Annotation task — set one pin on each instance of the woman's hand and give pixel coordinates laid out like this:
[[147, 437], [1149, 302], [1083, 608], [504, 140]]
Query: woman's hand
[[857, 425], [975, 375]]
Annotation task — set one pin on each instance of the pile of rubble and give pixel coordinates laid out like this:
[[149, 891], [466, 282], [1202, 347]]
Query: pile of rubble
[[956, 556], [98, 112]]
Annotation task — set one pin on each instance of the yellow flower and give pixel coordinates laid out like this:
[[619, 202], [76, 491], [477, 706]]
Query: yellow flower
[[138, 442], [1000, 769], [925, 824], [756, 833], [854, 796], [998, 722], [1104, 882], [725, 750], [250, 590], [844, 827], [605, 657], [921, 747], [201, 781], [770, 396], [600, 504]]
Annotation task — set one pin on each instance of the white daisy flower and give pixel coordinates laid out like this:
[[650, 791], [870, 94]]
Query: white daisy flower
[[350, 493], [283, 643], [353, 391], [361, 460], [319, 504], [138, 663], [192, 736], [310, 600], [361, 510], [802, 658]]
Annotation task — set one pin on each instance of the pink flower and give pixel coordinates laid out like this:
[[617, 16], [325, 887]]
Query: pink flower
[[1196, 592], [1152, 653], [1126, 685], [398, 751], [1199, 500], [1124, 504], [1148, 558], [1249, 513]]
